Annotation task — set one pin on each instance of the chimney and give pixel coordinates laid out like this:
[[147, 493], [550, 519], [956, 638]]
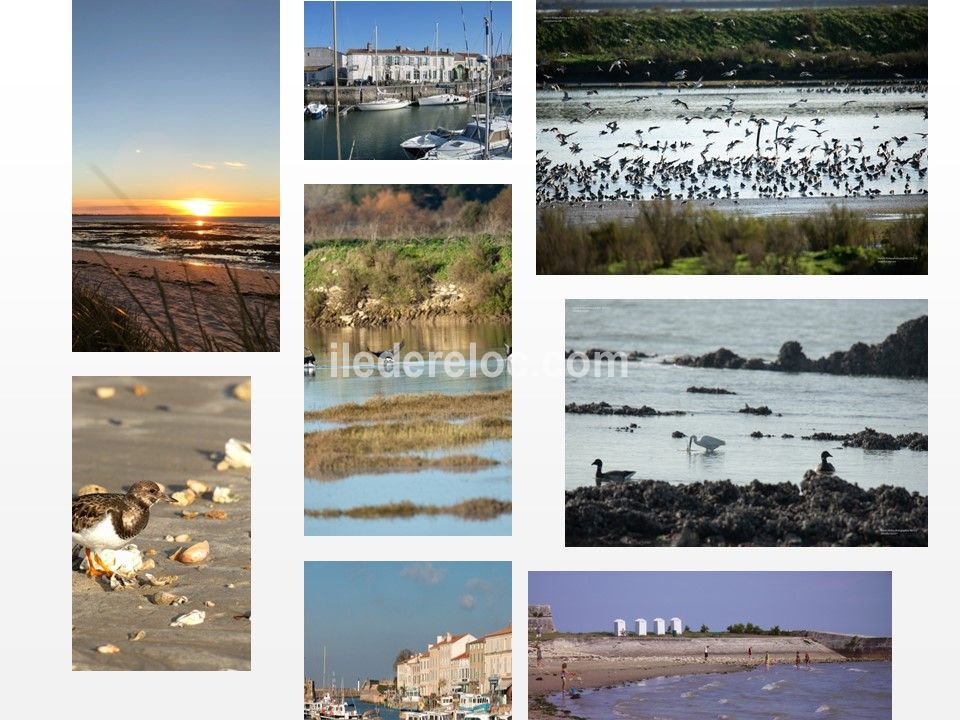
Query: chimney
[[439, 639]]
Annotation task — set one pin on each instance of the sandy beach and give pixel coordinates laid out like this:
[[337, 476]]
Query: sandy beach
[[209, 285], [168, 435], [599, 662]]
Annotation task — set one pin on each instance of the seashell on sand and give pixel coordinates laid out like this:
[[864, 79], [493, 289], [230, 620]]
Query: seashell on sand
[[222, 495], [134, 637], [108, 649], [91, 490], [194, 554], [189, 514], [198, 487], [194, 617], [139, 389], [161, 580], [105, 393], [215, 515], [167, 598], [238, 453], [242, 391], [182, 537], [184, 497]]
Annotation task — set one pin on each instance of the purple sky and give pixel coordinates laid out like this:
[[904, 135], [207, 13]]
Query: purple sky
[[848, 602]]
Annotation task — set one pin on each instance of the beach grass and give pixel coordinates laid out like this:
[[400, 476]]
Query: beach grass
[[99, 326], [251, 328], [435, 406], [477, 509], [672, 238]]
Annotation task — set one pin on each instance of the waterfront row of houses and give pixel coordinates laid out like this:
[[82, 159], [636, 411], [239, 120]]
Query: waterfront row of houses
[[396, 66], [460, 663], [659, 627]]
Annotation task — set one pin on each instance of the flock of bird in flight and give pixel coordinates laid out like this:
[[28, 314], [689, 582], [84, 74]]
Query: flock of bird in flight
[[743, 154]]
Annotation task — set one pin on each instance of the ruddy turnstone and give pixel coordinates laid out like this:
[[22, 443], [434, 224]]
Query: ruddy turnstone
[[111, 520]]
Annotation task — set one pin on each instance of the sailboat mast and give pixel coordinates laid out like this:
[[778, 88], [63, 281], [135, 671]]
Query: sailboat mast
[[487, 46], [336, 108]]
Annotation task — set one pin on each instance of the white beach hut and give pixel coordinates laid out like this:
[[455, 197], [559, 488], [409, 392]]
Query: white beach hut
[[676, 625], [659, 626], [619, 627], [641, 626]]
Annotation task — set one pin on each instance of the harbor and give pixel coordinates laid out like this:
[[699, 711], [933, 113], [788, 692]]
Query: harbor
[[389, 97], [396, 665]]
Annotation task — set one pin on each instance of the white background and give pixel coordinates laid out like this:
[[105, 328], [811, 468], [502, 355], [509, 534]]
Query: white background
[[35, 205]]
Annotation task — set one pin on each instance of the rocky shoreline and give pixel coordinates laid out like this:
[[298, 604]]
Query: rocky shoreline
[[823, 510], [605, 408], [901, 354]]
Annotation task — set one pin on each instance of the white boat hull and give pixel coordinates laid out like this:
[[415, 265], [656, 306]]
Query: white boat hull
[[378, 105], [442, 99]]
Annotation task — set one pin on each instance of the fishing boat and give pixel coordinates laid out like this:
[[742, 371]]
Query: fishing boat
[[382, 101], [315, 110], [417, 147], [471, 703], [478, 140]]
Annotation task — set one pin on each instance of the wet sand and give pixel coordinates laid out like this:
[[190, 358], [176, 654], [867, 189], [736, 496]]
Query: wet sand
[[881, 208], [166, 436], [209, 284], [600, 662]]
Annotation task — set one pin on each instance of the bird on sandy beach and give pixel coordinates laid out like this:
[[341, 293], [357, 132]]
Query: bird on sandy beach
[[308, 357], [825, 468], [611, 475], [104, 521]]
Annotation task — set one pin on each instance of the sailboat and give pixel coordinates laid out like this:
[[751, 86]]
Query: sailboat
[[486, 136], [382, 101], [441, 98]]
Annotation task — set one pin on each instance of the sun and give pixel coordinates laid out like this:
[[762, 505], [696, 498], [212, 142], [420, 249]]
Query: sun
[[198, 206]]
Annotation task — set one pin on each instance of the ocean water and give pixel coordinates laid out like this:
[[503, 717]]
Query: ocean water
[[377, 135], [895, 114], [803, 403], [433, 486], [851, 691], [251, 242]]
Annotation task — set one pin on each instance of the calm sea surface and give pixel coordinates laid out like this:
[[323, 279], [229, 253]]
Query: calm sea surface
[[439, 487], [851, 691], [875, 117], [377, 135], [252, 242], [802, 403]]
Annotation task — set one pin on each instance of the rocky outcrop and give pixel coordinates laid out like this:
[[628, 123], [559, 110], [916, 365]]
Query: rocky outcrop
[[759, 410], [822, 510], [601, 354], [605, 408], [870, 439], [859, 647], [902, 354], [710, 391]]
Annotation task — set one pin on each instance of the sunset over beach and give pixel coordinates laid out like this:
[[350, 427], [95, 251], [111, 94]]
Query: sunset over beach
[[176, 205], [167, 111]]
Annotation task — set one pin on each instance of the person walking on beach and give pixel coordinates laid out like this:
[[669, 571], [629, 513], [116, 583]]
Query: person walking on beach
[[798, 658], [750, 652], [539, 656], [563, 677], [706, 652], [806, 658], [766, 658]]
